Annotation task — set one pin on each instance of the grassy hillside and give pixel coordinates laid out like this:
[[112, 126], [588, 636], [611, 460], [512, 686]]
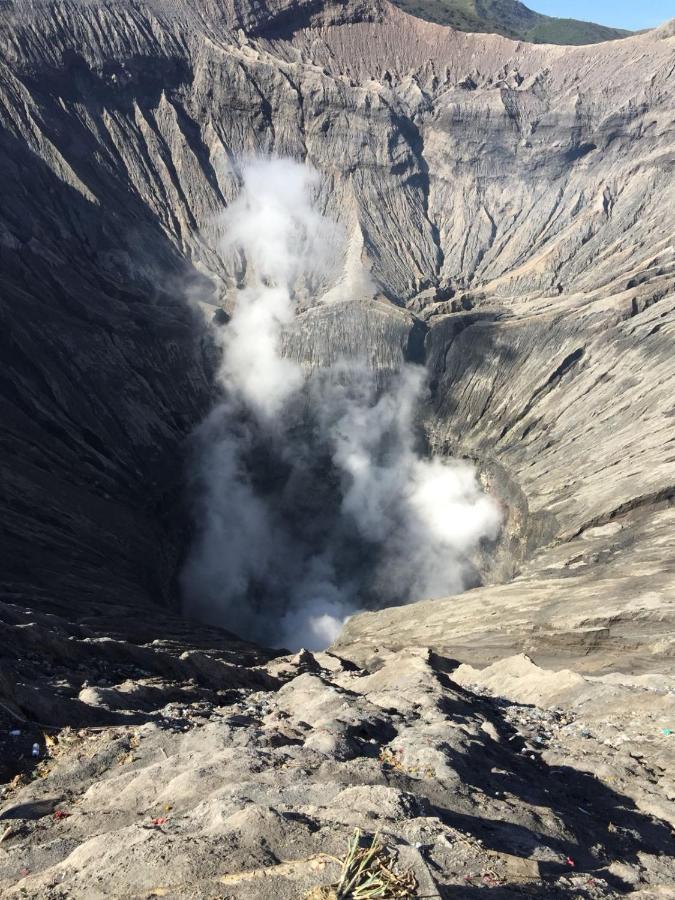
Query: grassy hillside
[[510, 18]]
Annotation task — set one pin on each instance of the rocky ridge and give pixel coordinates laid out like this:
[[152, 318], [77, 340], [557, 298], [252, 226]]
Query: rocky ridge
[[511, 19]]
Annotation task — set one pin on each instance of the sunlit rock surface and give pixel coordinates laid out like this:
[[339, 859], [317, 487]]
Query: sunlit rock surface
[[513, 205]]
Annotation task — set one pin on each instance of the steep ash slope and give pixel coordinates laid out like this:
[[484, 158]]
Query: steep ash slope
[[508, 161]]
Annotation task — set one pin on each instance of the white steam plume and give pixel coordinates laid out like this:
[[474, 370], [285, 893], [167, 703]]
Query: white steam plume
[[314, 499], [286, 246]]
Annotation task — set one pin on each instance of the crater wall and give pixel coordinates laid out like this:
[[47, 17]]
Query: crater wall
[[517, 199]]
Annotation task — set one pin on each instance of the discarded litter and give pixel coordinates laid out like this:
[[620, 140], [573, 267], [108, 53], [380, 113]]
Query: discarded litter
[[570, 861], [61, 814], [15, 732], [667, 731], [160, 820], [36, 750]]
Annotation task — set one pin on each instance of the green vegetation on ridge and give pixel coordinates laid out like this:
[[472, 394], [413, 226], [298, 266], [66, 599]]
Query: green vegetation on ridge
[[510, 19]]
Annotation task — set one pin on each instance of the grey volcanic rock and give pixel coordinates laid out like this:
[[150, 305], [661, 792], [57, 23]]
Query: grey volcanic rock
[[513, 205], [454, 158], [372, 330], [576, 405], [257, 800]]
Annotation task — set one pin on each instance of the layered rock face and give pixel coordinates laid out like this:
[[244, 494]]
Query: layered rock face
[[514, 206]]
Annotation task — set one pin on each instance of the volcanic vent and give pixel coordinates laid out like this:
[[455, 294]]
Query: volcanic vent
[[315, 497]]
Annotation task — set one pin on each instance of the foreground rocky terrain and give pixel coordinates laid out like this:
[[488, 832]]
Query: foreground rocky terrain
[[470, 792], [514, 207]]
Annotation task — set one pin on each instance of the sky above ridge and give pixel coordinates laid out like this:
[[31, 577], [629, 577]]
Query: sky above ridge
[[618, 13]]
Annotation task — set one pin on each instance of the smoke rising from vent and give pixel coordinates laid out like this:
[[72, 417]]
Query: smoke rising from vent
[[285, 248], [314, 497]]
